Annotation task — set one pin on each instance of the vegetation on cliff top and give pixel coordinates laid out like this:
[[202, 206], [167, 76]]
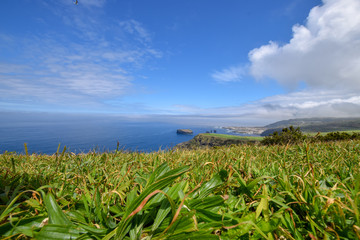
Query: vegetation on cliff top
[[293, 135], [216, 140], [315, 125], [289, 135]]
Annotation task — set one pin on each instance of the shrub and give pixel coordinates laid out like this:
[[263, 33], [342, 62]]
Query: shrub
[[338, 136], [289, 135]]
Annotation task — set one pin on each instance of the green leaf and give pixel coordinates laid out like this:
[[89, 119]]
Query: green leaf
[[131, 196], [24, 226], [98, 206], [158, 172], [269, 226], [159, 183], [56, 215], [167, 205], [58, 232], [94, 230], [209, 216], [254, 182], [193, 236], [204, 203], [12, 205], [242, 227], [184, 223], [264, 205], [208, 187]]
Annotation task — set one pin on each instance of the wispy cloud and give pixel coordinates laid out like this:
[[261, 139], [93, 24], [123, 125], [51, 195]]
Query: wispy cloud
[[136, 29], [79, 68], [231, 74], [93, 3]]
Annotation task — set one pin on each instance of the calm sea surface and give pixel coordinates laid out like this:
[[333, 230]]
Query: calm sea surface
[[84, 135]]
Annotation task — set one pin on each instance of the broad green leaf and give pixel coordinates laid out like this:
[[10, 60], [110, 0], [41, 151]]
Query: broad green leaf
[[94, 230], [184, 223], [263, 205], [24, 226], [193, 236], [98, 206], [269, 226], [242, 227], [56, 215], [77, 216], [208, 202], [86, 206], [208, 187], [158, 172], [260, 207], [131, 196], [159, 183], [254, 182], [167, 205], [209, 216], [12, 205], [211, 226], [58, 232]]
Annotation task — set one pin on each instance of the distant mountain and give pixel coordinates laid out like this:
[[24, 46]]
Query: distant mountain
[[315, 125]]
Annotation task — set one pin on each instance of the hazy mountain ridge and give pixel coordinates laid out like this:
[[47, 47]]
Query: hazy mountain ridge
[[315, 125]]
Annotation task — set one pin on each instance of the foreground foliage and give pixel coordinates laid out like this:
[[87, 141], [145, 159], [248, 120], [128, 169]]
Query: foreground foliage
[[305, 191]]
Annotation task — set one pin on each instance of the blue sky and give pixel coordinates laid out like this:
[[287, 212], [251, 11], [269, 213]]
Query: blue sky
[[229, 61]]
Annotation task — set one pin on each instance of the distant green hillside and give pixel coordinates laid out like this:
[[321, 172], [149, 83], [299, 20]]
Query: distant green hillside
[[227, 136], [316, 125]]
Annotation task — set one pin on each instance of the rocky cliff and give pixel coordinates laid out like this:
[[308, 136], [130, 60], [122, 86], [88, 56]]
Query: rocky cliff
[[184, 131]]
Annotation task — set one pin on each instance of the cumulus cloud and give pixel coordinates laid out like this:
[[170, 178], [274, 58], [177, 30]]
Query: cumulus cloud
[[323, 53]]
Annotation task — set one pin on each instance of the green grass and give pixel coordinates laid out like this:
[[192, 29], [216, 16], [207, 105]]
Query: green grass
[[245, 138], [324, 133], [306, 191]]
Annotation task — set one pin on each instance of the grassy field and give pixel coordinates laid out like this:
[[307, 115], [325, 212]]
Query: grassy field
[[307, 191], [324, 133], [228, 136]]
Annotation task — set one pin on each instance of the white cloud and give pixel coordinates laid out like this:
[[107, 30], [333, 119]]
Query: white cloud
[[323, 53], [231, 74]]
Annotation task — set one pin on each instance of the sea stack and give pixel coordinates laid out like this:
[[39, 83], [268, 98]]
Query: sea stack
[[184, 131]]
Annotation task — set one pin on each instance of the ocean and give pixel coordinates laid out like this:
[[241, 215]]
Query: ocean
[[81, 135]]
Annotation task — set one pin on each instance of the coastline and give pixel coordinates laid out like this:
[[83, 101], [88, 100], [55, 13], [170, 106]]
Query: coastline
[[246, 130]]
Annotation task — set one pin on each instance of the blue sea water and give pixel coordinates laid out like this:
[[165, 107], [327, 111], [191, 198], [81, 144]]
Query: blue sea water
[[83, 135]]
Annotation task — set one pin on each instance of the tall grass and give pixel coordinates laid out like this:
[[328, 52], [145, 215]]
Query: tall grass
[[305, 191]]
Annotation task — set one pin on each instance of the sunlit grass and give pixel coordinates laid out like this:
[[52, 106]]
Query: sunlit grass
[[228, 136], [324, 133], [306, 191]]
